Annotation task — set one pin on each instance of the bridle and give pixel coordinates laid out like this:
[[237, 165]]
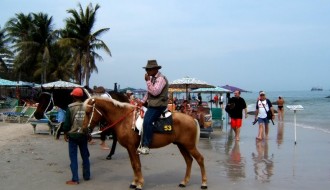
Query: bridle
[[92, 115], [51, 100], [98, 111]]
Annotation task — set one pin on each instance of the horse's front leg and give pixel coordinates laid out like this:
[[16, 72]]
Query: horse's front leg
[[138, 180]]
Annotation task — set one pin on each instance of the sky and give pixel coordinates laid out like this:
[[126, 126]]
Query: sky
[[252, 44]]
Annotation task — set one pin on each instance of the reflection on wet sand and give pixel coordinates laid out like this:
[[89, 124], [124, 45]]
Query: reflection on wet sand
[[235, 165], [263, 165], [280, 132]]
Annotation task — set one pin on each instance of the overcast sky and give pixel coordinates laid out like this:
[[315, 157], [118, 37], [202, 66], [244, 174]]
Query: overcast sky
[[253, 44]]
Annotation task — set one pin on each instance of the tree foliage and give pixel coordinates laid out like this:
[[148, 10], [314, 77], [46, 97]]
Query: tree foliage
[[42, 54]]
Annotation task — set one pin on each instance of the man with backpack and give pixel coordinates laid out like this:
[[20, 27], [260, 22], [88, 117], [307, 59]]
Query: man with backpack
[[264, 113]]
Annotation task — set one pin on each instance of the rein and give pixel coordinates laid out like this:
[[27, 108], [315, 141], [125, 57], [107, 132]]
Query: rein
[[110, 126], [51, 100]]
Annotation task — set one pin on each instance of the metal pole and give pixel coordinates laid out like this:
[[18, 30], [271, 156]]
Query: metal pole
[[295, 127]]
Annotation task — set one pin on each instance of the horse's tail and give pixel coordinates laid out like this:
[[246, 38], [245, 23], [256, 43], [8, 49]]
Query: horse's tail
[[198, 131]]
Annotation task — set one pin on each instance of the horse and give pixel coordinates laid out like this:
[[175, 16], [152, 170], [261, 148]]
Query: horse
[[48, 98], [120, 116]]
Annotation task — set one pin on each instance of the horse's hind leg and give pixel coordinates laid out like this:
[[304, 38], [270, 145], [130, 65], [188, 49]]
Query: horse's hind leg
[[188, 159], [113, 147], [200, 160]]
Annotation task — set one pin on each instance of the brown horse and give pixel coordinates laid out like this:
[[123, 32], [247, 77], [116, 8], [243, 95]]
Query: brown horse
[[185, 135]]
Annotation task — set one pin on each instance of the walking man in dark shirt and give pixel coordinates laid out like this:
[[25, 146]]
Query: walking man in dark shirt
[[236, 113]]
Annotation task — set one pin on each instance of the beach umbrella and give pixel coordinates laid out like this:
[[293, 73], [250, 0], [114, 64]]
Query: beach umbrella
[[189, 83], [233, 88], [60, 85], [4, 82], [211, 90]]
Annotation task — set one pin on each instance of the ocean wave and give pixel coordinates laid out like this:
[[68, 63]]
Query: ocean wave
[[304, 126]]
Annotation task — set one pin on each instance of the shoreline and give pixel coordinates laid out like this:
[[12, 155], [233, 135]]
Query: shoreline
[[36, 161]]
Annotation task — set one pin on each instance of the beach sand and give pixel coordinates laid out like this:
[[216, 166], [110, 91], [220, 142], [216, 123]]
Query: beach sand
[[37, 161]]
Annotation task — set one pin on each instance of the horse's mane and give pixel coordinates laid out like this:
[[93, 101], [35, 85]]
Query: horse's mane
[[113, 101]]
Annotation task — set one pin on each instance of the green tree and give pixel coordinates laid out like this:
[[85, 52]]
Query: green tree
[[5, 52], [43, 38], [78, 35], [33, 37], [19, 30]]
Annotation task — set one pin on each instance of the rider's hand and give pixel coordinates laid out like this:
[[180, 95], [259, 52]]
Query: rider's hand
[[146, 77]]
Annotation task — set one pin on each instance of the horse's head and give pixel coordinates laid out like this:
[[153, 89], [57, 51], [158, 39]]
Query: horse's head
[[93, 114], [48, 98], [45, 103]]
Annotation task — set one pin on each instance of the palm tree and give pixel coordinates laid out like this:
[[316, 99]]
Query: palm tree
[[83, 42], [43, 38], [19, 30], [5, 52], [33, 36]]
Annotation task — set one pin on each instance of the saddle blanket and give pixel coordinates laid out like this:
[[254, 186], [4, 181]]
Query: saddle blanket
[[163, 125]]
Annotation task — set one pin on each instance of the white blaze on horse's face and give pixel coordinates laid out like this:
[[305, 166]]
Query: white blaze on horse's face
[[91, 112]]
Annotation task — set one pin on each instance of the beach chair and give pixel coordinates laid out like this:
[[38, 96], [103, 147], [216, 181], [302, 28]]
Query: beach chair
[[27, 114], [207, 128], [14, 114], [10, 103], [50, 119], [217, 117]]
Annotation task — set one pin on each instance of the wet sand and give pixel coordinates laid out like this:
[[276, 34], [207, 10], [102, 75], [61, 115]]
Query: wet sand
[[37, 161]]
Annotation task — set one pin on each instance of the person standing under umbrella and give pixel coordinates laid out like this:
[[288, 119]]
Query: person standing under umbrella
[[199, 99]]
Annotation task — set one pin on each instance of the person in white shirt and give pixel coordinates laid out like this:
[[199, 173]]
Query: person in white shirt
[[262, 107]]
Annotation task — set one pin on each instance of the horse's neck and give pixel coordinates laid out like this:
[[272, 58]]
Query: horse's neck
[[119, 115]]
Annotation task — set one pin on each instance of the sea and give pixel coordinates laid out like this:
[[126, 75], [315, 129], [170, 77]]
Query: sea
[[316, 107]]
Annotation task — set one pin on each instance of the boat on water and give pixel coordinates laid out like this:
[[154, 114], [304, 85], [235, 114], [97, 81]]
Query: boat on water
[[317, 89]]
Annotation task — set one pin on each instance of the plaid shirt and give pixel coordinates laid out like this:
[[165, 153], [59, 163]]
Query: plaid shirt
[[155, 85]]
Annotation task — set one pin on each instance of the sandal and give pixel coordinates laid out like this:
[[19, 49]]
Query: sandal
[[72, 182], [105, 148]]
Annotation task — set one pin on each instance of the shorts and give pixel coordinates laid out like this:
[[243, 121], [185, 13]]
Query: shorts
[[235, 123], [263, 120]]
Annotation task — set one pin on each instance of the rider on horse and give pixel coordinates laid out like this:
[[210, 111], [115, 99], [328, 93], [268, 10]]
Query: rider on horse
[[156, 99]]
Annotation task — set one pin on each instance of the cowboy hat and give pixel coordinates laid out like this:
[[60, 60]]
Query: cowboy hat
[[152, 64]]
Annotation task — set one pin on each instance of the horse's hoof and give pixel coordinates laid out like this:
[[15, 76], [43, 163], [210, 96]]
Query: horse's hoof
[[108, 158], [204, 187], [132, 186], [182, 185]]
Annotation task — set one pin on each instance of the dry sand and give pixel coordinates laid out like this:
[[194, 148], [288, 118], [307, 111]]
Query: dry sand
[[37, 161]]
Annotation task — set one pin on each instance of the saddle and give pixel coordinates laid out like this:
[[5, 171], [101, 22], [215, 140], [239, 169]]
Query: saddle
[[164, 123]]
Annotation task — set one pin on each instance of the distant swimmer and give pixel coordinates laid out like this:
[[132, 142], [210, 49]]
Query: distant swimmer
[[280, 108]]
